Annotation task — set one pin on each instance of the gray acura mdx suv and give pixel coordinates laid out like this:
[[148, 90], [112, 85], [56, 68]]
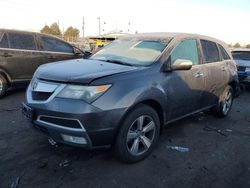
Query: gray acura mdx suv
[[125, 93]]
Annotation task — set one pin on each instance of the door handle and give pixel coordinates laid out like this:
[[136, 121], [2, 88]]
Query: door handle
[[224, 69], [52, 57], [6, 55], [199, 75]]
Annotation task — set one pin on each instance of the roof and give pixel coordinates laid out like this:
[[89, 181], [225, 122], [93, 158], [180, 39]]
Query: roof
[[32, 32], [240, 50], [167, 36]]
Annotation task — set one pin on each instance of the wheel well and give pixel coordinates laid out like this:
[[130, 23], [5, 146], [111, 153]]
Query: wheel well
[[235, 86], [5, 76], [157, 107], [151, 103]]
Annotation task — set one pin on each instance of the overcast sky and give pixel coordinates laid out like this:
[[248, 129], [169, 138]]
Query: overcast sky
[[227, 20]]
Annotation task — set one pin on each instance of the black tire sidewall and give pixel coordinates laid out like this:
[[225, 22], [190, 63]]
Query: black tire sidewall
[[121, 141]]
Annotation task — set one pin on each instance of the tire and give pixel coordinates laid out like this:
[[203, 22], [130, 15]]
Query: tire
[[225, 102], [3, 86], [138, 134]]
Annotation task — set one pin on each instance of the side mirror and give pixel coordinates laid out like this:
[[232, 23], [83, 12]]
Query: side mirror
[[182, 64], [87, 54], [77, 51]]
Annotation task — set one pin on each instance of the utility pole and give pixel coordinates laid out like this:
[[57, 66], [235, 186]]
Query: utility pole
[[99, 23], [83, 28]]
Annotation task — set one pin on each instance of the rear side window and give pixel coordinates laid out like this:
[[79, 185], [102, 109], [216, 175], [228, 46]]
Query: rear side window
[[4, 41], [187, 49], [54, 45], [224, 54], [21, 41], [210, 51]]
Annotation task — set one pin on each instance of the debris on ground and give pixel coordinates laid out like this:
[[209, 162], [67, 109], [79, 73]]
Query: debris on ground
[[178, 148], [9, 109], [208, 128], [52, 142], [43, 163], [16, 182], [65, 163], [60, 185], [201, 118]]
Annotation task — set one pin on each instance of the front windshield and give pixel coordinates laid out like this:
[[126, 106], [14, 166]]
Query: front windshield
[[139, 53]]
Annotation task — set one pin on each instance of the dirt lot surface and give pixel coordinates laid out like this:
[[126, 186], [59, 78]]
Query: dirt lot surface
[[218, 156]]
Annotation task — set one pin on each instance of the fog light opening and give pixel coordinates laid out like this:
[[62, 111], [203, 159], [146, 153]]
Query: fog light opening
[[74, 139]]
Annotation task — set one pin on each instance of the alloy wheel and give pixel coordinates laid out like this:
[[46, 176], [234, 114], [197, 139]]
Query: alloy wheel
[[227, 102], [141, 135]]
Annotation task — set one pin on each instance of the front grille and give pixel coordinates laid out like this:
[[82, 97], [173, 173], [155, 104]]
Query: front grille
[[40, 96], [241, 68], [70, 123]]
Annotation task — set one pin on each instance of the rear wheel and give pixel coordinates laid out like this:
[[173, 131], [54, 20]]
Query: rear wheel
[[138, 134], [225, 103], [3, 86]]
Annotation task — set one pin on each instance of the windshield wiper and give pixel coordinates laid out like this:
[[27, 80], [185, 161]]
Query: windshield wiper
[[115, 61]]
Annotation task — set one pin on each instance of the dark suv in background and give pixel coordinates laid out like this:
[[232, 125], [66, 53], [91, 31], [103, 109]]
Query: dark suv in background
[[242, 60], [124, 94], [22, 52]]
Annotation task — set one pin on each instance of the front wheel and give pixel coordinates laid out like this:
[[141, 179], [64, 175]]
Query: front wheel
[[225, 103], [138, 134]]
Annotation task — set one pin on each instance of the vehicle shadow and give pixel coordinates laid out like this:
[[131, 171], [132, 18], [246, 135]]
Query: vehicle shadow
[[14, 92]]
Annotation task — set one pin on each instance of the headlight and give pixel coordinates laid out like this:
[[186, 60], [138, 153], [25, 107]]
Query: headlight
[[86, 93]]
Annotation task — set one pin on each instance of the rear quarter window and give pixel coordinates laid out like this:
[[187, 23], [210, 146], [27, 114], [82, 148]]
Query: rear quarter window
[[223, 52], [210, 51], [4, 41], [55, 45], [21, 41]]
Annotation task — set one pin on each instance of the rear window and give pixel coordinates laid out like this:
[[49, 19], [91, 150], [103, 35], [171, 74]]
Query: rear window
[[210, 51], [54, 45], [241, 55], [4, 41], [224, 54], [21, 41]]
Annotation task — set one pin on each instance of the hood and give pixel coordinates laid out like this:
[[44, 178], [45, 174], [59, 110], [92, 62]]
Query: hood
[[79, 70]]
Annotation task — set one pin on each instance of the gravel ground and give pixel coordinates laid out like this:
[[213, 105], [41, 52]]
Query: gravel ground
[[218, 156]]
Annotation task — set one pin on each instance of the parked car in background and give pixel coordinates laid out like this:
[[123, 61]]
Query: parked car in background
[[22, 52], [242, 60], [124, 94]]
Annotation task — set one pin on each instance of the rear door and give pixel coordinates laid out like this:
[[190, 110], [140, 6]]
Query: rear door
[[55, 49], [213, 67], [21, 57], [185, 87]]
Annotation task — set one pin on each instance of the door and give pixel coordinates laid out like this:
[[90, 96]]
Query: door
[[22, 57], [184, 88], [55, 49], [213, 66]]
